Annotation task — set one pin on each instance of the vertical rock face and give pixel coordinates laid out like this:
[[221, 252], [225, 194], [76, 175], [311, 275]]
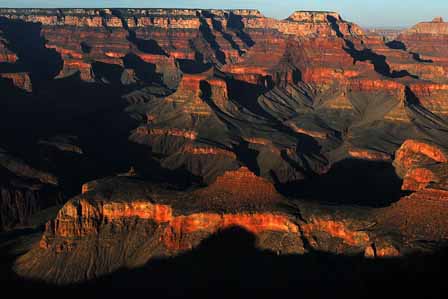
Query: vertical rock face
[[413, 152], [8, 58], [111, 228], [421, 164], [19, 80], [6, 55], [437, 27], [244, 183], [314, 85], [24, 191], [17, 206], [251, 108], [426, 42], [123, 222], [218, 36]]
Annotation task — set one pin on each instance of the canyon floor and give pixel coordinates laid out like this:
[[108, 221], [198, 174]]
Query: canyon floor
[[183, 149]]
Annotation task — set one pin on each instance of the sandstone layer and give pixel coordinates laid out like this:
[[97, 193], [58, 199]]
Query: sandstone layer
[[124, 222], [205, 120]]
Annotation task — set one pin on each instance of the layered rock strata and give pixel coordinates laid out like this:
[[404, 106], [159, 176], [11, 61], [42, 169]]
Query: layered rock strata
[[121, 222]]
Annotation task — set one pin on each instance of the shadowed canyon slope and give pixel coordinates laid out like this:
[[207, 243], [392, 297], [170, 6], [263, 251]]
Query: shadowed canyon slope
[[176, 125]]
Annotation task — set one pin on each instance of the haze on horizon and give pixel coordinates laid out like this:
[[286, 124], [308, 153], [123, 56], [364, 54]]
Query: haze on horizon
[[372, 13]]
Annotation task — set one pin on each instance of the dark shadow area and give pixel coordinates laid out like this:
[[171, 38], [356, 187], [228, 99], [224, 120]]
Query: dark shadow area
[[107, 73], [246, 95], [396, 45], [309, 147], [410, 96], [230, 260], [26, 41], [207, 33], [351, 182], [9, 89], [418, 58], [21, 198], [434, 127], [8, 254], [94, 113], [117, 13], [196, 66], [147, 46], [248, 156], [85, 47], [334, 25], [296, 76], [145, 71], [6, 67], [379, 61], [234, 22], [72, 169], [104, 18], [217, 26], [147, 166]]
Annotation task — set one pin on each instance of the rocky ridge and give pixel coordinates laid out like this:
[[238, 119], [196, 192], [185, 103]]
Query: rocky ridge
[[225, 117], [129, 222]]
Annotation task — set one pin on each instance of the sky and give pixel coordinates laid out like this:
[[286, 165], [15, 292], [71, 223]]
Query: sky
[[376, 13]]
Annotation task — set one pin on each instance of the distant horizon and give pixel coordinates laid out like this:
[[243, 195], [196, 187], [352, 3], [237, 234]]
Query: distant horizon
[[369, 14], [200, 8]]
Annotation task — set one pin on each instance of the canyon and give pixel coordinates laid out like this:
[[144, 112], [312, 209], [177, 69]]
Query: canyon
[[135, 139]]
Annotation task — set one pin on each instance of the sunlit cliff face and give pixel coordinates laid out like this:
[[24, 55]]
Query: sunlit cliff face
[[286, 129]]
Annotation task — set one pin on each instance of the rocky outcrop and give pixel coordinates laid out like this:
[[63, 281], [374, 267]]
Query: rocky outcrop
[[389, 34], [421, 164], [214, 64], [121, 222], [24, 191], [437, 27], [19, 80], [106, 226], [22, 169], [432, 97], [368, 155], [6, 55], [63, 143], [421, 215], [8, 72], [413, 153], [425, 43], [240, 189], [249, 111]]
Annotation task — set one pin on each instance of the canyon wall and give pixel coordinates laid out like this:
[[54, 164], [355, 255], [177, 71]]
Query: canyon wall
[[223, 118], [103, 229]]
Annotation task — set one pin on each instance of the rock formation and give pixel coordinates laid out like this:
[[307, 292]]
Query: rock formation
[[129, 222], [24, 191], [425, 41], [421, 165], [176, 125]]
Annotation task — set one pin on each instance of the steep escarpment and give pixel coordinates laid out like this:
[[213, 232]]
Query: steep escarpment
[[421, 165], [349, 85], [425, 41], [24, 191], [199, 92], [177, 125], [124, 222], [196, 88]]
